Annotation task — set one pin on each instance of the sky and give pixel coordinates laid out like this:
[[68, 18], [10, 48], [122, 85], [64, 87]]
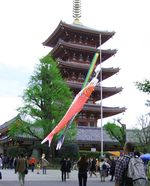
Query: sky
[[25, 24]]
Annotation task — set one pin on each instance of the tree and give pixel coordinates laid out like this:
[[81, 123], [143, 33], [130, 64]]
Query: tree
[[46, 100], [116, 132], [145, 87], [143, 131]]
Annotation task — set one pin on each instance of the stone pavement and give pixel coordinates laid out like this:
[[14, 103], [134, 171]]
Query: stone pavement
[[52, 178]]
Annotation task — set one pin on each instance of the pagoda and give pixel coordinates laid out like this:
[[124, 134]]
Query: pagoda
[[73, 47]]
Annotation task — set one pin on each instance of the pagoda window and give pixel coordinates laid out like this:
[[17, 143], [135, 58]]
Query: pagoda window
[[86, 41], [74, 58], [66, 33], [82, 77], [73, 77], [82, 115], [80, 40], [92, 117], [87, 59], [65, 52], [92, 124], [69, 57], [92, 41], [65, 74], [79, 77], [81, 58], [75, 38]]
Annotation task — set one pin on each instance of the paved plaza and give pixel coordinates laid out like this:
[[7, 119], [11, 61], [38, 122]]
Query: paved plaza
[[52, 178]]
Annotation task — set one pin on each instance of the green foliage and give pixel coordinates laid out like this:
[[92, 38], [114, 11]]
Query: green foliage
[[143, 148], [90, 154], [16, 151], [144, 87], [69, 150], [36, 154], [116, 132], [46, 100]]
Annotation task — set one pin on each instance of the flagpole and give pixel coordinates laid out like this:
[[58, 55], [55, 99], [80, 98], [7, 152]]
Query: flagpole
[[101, 105]]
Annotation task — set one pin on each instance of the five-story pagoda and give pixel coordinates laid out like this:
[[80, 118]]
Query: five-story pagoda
[[73, 47]]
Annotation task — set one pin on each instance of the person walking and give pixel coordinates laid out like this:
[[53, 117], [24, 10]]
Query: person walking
[[112, 168], [63, 168], [32, 163], [21, 167], [68, 167], [82, 170], [103, 169], [121, 178], [44, 163], [93, 167], [38, 167]]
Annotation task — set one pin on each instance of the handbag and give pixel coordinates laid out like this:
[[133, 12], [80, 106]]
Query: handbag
[[26, 168], [26, 171]]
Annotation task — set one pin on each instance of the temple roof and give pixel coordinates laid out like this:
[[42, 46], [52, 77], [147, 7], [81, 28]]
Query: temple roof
[[61, 49], [107, 111], [107, 91], [63, 28], [7, 124], [92, 135], [107, 72]]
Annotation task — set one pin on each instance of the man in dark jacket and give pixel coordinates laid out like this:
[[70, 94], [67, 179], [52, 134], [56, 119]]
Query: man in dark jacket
[[68, 167], [83, 168], [63, 168]]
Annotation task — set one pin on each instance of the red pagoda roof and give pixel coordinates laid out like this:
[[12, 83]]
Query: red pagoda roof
[[63, 28]]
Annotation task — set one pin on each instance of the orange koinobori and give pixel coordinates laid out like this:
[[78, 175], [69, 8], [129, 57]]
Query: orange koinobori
[[75, 107], [77, 104]]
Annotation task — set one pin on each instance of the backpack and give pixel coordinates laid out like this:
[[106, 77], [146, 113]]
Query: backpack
[[136, 171], [104, 166]]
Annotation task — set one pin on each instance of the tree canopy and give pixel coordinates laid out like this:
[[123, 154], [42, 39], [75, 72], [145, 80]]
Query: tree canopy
[[45, 101], [144, 87], [116, 132]]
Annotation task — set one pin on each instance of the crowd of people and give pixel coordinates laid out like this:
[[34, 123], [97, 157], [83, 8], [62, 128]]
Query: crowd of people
[[22, 164], [112, 168]]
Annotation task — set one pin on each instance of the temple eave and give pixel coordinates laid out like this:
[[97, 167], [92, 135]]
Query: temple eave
[[107, 111], [52, 40]]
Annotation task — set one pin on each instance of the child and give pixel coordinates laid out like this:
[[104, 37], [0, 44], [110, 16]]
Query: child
[[38, 166]]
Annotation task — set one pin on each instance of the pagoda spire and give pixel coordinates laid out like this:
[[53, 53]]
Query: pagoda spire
[[77, 11]]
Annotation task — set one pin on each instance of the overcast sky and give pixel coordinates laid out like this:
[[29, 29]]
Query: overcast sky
[[25, 24]]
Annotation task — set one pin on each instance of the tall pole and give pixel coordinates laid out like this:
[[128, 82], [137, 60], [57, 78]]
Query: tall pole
[[101, 105]]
